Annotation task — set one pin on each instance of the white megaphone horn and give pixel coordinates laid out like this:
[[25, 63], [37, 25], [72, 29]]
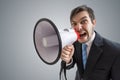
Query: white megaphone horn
[[49, 41]]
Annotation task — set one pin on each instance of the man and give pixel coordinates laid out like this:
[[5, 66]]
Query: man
[[103, 56]]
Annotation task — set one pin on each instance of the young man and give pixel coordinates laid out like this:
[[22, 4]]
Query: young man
[[103, 56]]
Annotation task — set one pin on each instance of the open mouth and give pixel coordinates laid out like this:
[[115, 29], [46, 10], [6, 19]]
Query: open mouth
[[83, 35]]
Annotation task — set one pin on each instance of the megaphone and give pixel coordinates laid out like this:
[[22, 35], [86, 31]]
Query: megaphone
[[49, 41]]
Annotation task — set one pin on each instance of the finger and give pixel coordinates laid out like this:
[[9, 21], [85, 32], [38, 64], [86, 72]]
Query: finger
[[67, 52], [65, 59], [67, 48], [65, 56]]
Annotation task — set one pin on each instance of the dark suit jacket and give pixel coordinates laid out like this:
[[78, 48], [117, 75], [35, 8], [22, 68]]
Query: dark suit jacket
[[103, 62]]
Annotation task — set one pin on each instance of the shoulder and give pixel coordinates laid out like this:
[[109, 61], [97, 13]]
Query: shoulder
[[106, 44], [102, 40], [111, 44]]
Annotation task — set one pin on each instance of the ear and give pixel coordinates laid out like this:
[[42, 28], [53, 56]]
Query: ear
[[94, 22]]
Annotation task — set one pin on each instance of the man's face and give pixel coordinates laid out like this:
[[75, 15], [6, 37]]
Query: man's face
[[83, 25]]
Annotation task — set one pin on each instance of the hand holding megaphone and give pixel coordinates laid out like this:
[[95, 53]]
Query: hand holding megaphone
[[67, 53]]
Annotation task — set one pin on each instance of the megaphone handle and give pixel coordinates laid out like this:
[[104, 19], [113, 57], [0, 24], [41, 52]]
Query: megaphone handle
[[63, 68]]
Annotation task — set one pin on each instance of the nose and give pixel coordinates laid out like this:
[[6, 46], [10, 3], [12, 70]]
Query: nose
[[78, 27]]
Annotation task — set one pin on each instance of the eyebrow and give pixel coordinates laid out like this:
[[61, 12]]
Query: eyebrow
[[81, 18]]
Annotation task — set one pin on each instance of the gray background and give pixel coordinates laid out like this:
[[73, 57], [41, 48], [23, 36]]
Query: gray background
[[18, 58]]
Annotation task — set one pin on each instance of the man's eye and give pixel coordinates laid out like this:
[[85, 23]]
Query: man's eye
[[83, 21], [74, 24]]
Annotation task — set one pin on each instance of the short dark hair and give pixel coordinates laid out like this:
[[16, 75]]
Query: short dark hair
[[78, 9]]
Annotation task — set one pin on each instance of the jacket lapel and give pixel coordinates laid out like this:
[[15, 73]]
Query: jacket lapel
[[94, 54], [78, 57]]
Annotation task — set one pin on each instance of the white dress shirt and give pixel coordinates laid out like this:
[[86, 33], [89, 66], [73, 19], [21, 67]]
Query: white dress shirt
[[89, 43]]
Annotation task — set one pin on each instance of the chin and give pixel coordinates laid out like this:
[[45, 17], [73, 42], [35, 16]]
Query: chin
[[83, 40]]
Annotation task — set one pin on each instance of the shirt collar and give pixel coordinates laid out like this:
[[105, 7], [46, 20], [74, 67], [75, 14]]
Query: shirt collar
[[91, 40]]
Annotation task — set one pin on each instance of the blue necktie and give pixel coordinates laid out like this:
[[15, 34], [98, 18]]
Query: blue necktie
[[84, 54]]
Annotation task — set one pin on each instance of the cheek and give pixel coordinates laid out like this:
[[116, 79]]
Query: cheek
[[75, 28], [90, 31]]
